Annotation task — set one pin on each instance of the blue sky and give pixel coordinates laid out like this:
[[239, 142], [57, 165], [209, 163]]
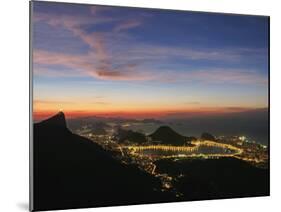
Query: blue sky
[[160, 60]]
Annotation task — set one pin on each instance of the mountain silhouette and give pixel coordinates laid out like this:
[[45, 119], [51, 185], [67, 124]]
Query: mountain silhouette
[[57, 120], [130, 136], [167, 135], [208, 136], [71, 171]]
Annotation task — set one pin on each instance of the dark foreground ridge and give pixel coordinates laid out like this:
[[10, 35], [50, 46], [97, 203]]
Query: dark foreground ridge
[[71, 172]]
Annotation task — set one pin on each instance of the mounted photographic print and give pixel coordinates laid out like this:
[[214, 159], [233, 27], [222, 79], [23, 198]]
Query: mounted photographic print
[[137, 105]]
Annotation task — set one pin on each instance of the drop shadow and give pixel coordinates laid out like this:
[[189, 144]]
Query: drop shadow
[[23, 206]]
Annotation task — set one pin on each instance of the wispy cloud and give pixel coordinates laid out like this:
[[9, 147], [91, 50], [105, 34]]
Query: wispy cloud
[[129, 24], [161, 52], [97, 10], [108, 60], [70, 21], [101, 103], [234, 76], [97, 63], [86, 65]]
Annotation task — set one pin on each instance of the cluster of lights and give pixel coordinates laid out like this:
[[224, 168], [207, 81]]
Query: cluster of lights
[[195, 147], [242, 138]]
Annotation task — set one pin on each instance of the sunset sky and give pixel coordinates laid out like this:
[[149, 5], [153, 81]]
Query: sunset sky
[[131, 62]]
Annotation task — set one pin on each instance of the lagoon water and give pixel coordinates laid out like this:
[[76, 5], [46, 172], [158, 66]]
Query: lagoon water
[[206, 150]]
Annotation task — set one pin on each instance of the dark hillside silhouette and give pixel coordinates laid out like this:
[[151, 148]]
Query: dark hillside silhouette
[[207, 136], [71, 171], [168, 136], [131, 136], [216, 178]]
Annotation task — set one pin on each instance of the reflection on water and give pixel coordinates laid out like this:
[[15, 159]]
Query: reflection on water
[[205, 150]]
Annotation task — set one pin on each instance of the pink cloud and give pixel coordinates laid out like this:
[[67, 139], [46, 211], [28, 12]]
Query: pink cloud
[[129, 24], [84, 65], [97, 62], [87, 65]]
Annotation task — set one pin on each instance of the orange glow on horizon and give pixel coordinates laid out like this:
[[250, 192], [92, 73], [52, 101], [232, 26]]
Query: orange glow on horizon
[[141, 114]]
